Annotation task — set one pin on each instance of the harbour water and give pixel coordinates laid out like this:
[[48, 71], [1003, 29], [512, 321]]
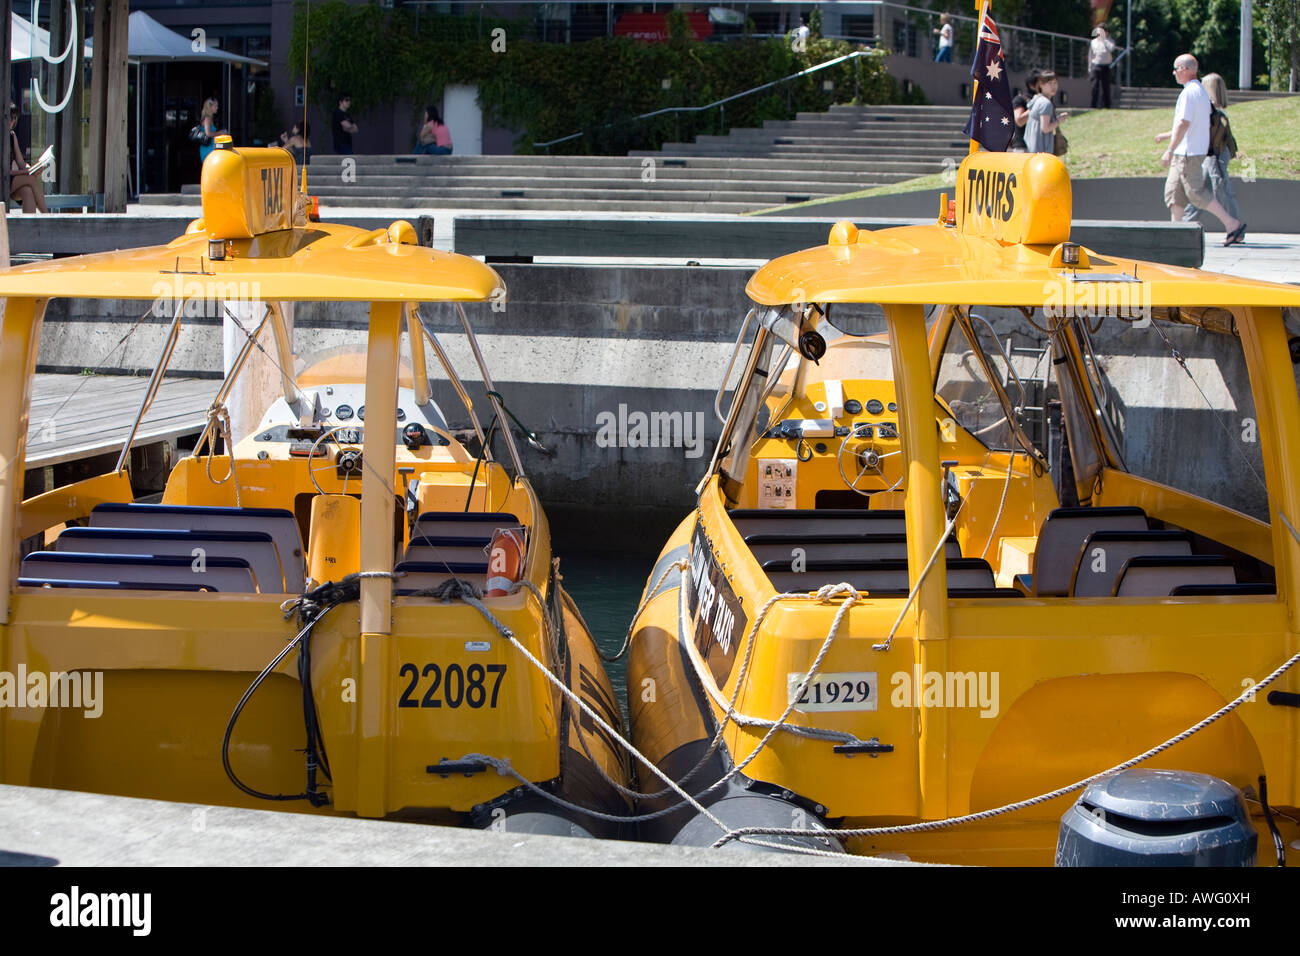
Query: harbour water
[[607, 588]]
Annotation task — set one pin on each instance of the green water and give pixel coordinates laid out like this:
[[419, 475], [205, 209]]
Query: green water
[[607, 588]]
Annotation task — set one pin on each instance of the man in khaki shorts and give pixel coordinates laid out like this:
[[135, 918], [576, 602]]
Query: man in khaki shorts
[[1189, 142]]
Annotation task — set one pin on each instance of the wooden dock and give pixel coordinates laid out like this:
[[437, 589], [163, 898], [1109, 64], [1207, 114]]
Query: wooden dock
[[80, 416]]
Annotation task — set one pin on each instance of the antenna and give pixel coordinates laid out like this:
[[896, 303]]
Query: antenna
[[306, 66]]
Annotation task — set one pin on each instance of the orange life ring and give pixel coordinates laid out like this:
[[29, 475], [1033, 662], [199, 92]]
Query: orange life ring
[[505, 561]]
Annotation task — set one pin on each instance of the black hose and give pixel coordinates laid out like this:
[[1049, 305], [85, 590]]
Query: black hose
[[311, 608], [1278, 845]]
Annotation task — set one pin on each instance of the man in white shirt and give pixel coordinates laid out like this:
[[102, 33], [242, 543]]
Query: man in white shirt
[[1189, 142], [1101, 53]]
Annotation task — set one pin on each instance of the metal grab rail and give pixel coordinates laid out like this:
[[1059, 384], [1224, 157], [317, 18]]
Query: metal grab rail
[[856, 54]]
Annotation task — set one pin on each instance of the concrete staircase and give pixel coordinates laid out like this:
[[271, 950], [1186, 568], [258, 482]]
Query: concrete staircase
[[814, 155], [917, 138], [1159, 98]]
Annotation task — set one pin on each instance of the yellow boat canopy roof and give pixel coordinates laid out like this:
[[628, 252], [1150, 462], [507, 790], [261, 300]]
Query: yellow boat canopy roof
[[254, 242], [1008, 247]]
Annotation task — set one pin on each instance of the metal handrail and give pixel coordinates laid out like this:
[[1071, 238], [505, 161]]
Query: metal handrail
[[717, 103]]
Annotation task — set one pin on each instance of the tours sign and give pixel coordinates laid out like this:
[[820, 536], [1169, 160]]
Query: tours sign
[[1014, 198]]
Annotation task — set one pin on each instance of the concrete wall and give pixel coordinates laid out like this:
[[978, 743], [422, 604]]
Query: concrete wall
[[943, 82], [576, 343]]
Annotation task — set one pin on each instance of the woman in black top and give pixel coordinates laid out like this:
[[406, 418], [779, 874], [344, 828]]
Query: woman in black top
[[1020, 109]]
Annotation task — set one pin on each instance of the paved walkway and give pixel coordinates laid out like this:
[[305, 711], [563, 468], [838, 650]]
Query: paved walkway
[[60, 828], [1271, 256]]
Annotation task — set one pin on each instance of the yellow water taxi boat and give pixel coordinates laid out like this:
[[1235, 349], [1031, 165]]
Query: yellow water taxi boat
[[345, 610], [991, 514]]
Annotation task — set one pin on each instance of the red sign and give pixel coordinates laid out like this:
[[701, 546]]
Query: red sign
[[653, 27]]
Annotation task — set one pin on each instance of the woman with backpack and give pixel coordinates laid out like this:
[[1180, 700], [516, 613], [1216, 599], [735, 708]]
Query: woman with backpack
[[1223, 147]]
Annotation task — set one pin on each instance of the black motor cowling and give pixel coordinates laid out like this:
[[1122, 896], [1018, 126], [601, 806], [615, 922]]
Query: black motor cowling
[[1157, 818]]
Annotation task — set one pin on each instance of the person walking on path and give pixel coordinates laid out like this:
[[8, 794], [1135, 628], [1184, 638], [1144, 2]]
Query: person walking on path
[[208, 121], [1043, 120], [1189, 144], [1223, 147], [1101, 54], [342, 126], [1020, 112], [435, 137], [944, 54]]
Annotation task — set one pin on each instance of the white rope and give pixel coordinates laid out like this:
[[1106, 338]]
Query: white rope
[[1011, 460], [466, 596], [219, 427], [1247, 695]]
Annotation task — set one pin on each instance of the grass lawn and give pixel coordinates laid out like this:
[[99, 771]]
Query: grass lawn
[[1110, 143], [1107, 143]]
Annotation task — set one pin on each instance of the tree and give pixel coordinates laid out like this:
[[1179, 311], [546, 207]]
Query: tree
[[1281, 21]]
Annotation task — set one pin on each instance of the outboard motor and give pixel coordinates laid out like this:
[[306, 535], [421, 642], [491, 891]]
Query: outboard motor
[[1157, 818]]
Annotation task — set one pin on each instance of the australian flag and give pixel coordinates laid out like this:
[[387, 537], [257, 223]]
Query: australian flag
[[992, 120]]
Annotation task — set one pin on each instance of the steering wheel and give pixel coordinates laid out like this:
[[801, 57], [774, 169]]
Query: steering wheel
[[314, 467], [870, 462], [454, 448]]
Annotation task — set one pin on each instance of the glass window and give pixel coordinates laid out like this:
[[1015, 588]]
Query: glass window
[[1178, 398]]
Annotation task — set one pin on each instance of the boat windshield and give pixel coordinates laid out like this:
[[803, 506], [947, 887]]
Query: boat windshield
[[980, 350], [1179, 400]]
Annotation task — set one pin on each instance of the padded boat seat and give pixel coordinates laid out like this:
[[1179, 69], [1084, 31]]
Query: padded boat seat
[[1158, 576], [438, 549], [218, 574], [419, 575], [1061, 538], [817, 521], [836, 547], [1222, 590], [957, 593], [256, 547], [1095, 573], [460, 524], [280, 524], [110, 585], [885, 575]]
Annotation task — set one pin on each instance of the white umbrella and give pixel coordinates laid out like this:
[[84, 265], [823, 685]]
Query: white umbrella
[[28, 42]]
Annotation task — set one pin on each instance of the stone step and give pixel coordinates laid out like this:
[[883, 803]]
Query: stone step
[[664, 169], [839, 183], [549, 205], [378, 196]]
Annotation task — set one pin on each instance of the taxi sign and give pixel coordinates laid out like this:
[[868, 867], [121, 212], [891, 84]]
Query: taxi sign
[[1014, 198], [247, 192]]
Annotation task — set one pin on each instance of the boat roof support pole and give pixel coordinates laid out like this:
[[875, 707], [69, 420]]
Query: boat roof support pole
[[20, 333], [445, 361], [419, 364], [155, 380], [1277, 409], [284, 351], [491, 389], [374, 659], [925, 526]]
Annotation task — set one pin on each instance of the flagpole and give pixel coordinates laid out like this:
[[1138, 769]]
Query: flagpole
[[981, 7]]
